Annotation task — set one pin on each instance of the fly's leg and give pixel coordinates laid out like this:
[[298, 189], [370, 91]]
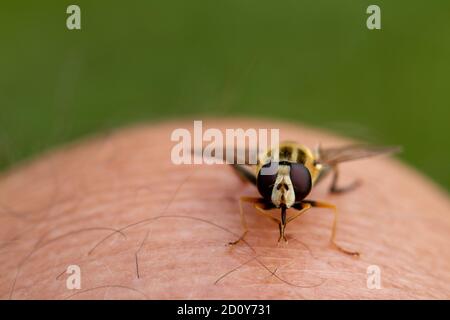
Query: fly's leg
[[263, 208], [282, 225], [253, 200], [245, 175], [302, 208], [335, 189], [319, 204]]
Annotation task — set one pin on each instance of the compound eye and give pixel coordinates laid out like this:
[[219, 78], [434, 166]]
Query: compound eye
[[266, 180], [301, 180]]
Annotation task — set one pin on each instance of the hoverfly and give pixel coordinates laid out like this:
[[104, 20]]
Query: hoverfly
[[297, 171]]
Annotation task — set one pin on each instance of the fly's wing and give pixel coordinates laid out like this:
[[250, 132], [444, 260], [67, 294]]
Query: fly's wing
[[329, 158], [333, 156], [245, 173], [228, 155], [239, 159]]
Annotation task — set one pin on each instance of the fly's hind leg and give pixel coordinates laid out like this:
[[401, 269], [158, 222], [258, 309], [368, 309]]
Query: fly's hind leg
[[319, 204], [334, 187]]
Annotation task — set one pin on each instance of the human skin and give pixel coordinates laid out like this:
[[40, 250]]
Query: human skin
[[140, 227]]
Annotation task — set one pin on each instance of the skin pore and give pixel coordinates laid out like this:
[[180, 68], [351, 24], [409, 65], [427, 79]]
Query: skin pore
[[140, 227]]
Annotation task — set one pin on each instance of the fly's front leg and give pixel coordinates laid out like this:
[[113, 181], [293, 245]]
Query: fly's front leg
[[334, 187], [302, 207], [263, 209], [253, 200], [282, 225], [319, 204]]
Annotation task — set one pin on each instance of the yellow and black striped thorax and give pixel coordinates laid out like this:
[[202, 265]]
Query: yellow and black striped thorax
[[291, 152]]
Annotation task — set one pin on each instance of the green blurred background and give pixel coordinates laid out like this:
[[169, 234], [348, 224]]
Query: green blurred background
[[308, 61]]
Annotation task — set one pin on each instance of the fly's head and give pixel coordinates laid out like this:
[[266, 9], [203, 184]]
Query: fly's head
[[284, 183]]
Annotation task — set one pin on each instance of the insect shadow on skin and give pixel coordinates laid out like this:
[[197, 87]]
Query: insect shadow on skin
[[285, 175]]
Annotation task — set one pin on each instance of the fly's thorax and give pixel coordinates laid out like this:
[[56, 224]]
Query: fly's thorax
[[291, 152]]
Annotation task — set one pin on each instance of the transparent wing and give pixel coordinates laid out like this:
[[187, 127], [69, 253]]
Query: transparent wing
[[244, 173], [238, 160], [229, 155], [333, 156]]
